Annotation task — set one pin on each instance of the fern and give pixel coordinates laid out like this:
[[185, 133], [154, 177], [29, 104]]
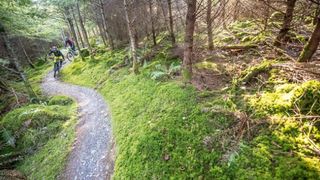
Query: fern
[[8, 138]]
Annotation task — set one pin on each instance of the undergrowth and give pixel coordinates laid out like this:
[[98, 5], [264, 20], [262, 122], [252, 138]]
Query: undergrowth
[[166, 130], [36, 138]]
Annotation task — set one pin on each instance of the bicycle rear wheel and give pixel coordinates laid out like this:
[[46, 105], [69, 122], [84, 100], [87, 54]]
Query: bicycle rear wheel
[[70, 56]]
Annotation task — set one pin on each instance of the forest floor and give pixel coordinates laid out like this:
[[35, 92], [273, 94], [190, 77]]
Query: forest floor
[[93, 153], [249, 113]]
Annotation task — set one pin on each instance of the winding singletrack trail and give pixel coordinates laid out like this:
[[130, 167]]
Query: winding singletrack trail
[[92, 156]]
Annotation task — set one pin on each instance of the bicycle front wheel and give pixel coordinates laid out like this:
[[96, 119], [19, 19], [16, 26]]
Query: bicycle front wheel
[[69, 56]]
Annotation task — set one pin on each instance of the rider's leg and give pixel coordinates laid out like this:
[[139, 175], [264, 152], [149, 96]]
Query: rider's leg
[[55, 69]]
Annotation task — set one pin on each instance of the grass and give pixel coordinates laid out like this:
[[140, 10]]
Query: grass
[[50, 159], [42, 133], [166, 130], [159, 128]]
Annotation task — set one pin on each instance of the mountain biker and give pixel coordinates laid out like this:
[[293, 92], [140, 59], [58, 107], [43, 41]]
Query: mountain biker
[[70, 43], [57, 59]]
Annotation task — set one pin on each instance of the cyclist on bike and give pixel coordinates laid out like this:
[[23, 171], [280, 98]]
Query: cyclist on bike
[[70, 43], [57, 59]]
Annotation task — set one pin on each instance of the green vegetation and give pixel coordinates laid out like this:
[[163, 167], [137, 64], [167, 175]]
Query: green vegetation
[[36, 138], [42, 134], [165, 129], [158, 127]]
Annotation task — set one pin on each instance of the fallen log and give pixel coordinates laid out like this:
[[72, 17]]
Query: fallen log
[[238, 47], [281, 51]]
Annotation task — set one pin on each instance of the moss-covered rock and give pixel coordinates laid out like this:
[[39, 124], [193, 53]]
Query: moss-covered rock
[[60, 100], [84, 52], [287, 98]]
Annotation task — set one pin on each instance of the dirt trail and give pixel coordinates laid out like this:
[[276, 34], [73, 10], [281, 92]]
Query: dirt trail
[[92, 156]]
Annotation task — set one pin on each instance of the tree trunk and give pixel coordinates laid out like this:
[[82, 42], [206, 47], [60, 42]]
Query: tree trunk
[[102, 34], [180, 14], [224, 3], [73, 32], [286, 23], [84, 31], [209, 25], [173, 39], [312, 44], [188, 39], [153, 31], [317, 12], [25, 53], [78, 29], [236, 10], [13, 58], [104, 22], [164, 15], [132, 39]]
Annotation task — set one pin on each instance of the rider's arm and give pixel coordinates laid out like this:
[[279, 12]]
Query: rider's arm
[[61, 54]]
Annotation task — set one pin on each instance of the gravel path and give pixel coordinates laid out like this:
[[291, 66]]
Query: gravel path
[[92, 156]]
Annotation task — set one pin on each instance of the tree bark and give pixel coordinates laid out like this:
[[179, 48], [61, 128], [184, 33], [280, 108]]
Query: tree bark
[[188, 39], [286, 23], [317, 12], [25, 53], [173, 39], [209, 25], [102, 34], [104, 22], [71, 26], [153, 31], [164, 14], [78, 29], [180, 14], [312, 44], [224, 14], [132, 39], [73, 32], [84, 31], [13, 58]]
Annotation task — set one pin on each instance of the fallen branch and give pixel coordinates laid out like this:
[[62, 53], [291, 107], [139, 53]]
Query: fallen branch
[[281, 51], [238, 47]]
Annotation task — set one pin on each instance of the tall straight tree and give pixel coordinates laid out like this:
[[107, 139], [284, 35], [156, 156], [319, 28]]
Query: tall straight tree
[[286, 23], [153, 31], [188, 39], [131, 32], [173, 39], [78, 29], [209, 24], [84, 31], [104, 23], [71, 26], [312, 45]]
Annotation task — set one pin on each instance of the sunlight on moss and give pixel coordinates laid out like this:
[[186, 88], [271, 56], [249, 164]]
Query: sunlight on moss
[[207, 65]]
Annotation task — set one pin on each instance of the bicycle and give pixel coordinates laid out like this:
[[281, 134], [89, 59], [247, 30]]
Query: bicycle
[[71, 54], [57, 65]]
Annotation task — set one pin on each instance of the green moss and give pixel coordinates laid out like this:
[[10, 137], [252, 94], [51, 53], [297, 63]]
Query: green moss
[[84, 52], [251, 72], [158, 127], [164, 130], [51, 157], [42, 134], [207, 65], [60, 100], [303, 98]]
